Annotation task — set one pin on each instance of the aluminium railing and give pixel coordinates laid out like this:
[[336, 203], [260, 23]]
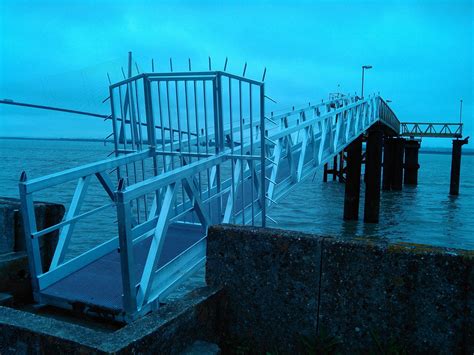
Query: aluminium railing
[[192, 149], [45, 275], [221, 148], [440, 130], [308, 138]]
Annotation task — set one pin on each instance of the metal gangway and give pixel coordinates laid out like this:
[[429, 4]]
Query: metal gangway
[[192, 149]]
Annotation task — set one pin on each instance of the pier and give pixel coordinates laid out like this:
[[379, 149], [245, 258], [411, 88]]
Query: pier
[[195, 149], [244, 178]]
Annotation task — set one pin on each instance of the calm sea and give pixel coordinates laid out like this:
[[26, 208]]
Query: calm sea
[[423, 214]]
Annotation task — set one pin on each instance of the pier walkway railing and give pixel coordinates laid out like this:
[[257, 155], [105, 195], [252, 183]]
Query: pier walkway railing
[[192, 149], [434, 130]]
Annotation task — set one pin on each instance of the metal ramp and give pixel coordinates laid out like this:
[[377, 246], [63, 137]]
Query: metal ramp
[[192, 149], [99, 284]]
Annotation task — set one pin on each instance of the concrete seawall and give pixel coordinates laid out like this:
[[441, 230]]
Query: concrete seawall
[[169, 330], [283, 286], [284, 292]]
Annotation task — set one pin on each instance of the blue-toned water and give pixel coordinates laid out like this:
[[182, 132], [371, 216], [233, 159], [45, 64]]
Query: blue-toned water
[[423, 214]]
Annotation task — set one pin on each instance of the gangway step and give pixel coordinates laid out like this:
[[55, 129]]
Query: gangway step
[[99, 284]]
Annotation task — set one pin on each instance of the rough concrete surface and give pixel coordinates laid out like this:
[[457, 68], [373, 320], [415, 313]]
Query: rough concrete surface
[[14, 271], [169, 330], [271, 281], [283, 285]]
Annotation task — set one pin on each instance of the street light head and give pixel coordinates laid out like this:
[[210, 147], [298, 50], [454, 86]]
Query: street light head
[[367, 66]]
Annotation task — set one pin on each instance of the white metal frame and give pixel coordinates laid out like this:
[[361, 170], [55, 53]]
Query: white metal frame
[[264, 163], [418, 129]]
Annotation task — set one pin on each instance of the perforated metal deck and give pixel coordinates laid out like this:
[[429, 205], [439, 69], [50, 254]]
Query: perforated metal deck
[[99, 284]]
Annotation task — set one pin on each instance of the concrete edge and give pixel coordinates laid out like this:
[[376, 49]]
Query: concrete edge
[[382, 243], [155, 321], [77, 338], [41, 326]]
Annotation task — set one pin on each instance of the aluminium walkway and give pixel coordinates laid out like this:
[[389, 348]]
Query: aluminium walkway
[[190, 151]]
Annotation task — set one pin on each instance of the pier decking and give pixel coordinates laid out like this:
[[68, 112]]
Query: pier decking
[[99, 284]]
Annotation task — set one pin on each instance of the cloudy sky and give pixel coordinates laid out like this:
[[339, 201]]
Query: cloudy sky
[[59, 52]]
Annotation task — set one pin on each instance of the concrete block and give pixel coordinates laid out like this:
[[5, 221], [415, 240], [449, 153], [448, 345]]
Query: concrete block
[[282, 285], [169, 330], [11, 228], [7, 227], [14, 276], [271, 279], [412, 295], [14, 271]]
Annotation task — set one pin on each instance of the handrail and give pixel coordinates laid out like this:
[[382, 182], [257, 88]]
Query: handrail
[[184, 74], [314, 120], [46, 181], [427, 129], [139, 189]]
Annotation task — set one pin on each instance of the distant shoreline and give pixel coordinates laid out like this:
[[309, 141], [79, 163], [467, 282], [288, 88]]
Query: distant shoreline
[[466, 151], [58, 139]]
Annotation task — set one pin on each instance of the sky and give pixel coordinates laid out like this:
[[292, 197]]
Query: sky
[[59, 53]]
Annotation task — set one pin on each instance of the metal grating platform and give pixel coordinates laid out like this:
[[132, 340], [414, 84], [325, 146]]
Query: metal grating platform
[[99, 284]]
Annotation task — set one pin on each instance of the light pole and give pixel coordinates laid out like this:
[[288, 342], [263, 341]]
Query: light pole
[[363, 70]]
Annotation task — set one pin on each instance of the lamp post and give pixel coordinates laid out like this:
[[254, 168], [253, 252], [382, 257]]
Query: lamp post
[[363, 70]]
